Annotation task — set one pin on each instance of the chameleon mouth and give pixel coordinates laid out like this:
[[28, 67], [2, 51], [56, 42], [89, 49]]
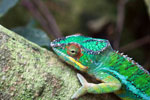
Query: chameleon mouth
[[79, 64], [70, 60]]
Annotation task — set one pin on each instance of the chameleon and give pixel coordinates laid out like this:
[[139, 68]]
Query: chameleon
[[116, 72]]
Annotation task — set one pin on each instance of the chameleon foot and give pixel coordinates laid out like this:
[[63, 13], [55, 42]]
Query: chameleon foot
[[81, 90]]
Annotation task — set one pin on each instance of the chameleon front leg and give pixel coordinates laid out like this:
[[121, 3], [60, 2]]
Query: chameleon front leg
[[110, 84]]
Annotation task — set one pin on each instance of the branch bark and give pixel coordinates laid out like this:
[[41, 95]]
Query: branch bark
[[29, 72]]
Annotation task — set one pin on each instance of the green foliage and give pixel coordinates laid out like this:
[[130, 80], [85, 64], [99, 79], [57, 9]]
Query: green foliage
[[33, 34], [5, 5], [17, 18]]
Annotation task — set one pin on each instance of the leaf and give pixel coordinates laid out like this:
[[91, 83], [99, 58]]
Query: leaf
[[5, 5], [33, 34], [148, 5]]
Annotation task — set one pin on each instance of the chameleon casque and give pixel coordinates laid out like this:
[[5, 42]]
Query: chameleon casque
[[117, 72]]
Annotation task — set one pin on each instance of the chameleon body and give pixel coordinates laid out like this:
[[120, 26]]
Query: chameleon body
[[117, 72]]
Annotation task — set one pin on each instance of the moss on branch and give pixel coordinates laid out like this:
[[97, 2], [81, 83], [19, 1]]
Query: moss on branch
[[29, 72]]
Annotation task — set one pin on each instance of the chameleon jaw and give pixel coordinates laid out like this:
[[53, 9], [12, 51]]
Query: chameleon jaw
[[69, 59], [77, 63]]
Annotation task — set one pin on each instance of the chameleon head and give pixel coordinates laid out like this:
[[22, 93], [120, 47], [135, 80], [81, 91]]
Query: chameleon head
[[79, 51]]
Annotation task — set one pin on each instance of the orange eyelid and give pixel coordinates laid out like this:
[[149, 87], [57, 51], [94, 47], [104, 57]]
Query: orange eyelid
[[77, 46]]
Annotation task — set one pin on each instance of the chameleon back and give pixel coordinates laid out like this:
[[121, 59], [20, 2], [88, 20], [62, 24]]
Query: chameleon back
[[95, 55], [135, 80]]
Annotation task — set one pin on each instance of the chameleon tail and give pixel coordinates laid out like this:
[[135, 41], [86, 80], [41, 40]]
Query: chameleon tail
[[81, 90]]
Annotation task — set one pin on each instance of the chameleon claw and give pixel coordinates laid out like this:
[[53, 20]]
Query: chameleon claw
[[81, 90], [82, 79]]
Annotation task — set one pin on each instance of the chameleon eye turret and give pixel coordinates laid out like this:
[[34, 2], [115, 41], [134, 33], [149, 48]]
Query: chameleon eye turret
[[119, 73], [74, 50]]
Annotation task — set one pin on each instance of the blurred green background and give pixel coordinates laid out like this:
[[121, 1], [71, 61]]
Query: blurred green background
[[125, 23]]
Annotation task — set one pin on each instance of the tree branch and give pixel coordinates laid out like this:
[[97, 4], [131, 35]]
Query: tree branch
[[41, 13], [29, 72], [136, 44], [48, 16]]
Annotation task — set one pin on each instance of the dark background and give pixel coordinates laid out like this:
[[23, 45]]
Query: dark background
[[125, 23]]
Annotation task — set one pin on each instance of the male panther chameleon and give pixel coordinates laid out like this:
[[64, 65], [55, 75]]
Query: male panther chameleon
[[117, 72]]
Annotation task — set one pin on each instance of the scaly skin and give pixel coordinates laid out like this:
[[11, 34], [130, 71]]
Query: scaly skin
[[119, 73]]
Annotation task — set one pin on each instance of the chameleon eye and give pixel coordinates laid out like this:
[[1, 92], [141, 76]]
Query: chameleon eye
[[74, 50]]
